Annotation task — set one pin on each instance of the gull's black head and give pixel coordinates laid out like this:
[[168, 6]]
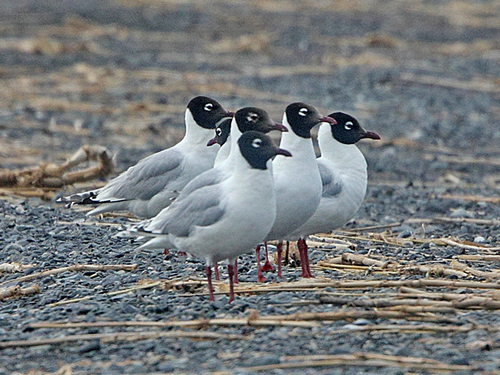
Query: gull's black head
[[222, 131], [257, 148], [303, 117], [207, 112], [251, 118], [347, 130]]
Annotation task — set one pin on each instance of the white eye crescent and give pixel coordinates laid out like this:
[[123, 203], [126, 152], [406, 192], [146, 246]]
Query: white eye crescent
[[218, 131], [348, 125], [257, 142], [303, 112], [208, 107], [252, 117]]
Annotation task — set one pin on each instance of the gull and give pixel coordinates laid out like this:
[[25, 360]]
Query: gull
[[344, 178], [297, 180], [149, 186], [250, 119], [221, 215]]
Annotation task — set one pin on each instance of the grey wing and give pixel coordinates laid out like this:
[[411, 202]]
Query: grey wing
[[331, 186], [201, 209], [145, 179], [199, 204], [211, 177]]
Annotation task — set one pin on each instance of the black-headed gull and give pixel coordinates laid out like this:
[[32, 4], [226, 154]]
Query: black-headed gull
[[344, 178], [297, 180], [149, 186], [222, 215], [250, 119]]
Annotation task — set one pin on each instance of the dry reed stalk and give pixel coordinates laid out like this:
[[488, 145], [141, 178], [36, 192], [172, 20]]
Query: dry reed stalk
[[365, 284], [486, 258], [405, 292], [56, 176], [361, 359], [453, 220], [353, 314], [417, 328], [477, 273], [439, 308], [468, 245], [435, 270], [193, 324], [14, 267], [473, 198], [117, 292], [91, 223], [476, 84], [17, 291], [380, 302], [375, 227], [367, 261], [119, 336], [74, 268]]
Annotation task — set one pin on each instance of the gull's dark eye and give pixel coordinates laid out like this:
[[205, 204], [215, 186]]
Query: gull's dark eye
[[303, 112], [252, 117], [218, 132], [348, 125], [257, 142], [208, 107]]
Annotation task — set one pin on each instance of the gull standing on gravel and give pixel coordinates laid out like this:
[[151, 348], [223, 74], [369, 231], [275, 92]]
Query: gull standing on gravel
[[228, 129], [297, 180], [222, 215], [342, 167], [149, 186]]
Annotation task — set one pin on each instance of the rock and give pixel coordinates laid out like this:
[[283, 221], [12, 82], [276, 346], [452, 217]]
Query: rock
[[461, 212], [90, 346], [264, 360]]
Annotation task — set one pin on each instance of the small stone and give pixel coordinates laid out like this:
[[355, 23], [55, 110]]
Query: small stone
[[460, 212], [166, 367], [90, 347], [264, 360], [479, 345], [362, 322], [405, 234], [479, 239], [352, 327]]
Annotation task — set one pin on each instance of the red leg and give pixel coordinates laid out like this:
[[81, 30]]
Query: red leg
[[216, 271], [208, 271], [236, 271], [280, 252], [267, 266], [182, 253], [230, 272], [304, 259], [287, 251], [166, 251], [260, 278]]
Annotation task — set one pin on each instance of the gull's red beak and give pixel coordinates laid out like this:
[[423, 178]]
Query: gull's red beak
[[370, 135], [212, 141], [283, 152], [280, 127], [328, 119]]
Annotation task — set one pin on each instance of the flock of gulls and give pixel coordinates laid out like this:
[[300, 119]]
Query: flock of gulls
[[218, 203]]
